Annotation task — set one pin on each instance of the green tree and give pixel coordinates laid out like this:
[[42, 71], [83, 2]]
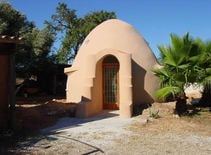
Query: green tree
[[33, 56], [203, 69], [203, 60], [181, 64], [12, 22], [37, 43], [74, 29]]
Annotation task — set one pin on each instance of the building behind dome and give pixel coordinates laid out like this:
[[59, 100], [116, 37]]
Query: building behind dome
[[112, 70]]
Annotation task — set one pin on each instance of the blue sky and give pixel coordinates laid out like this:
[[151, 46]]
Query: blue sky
[[153, 19]]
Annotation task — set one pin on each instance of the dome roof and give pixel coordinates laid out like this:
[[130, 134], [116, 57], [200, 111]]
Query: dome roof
[[119, 39], [118, 35]]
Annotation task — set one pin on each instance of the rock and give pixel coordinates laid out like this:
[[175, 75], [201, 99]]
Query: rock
[[176, 116], [193, 91]]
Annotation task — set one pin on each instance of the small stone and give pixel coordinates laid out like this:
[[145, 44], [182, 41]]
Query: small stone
[[176, 116]]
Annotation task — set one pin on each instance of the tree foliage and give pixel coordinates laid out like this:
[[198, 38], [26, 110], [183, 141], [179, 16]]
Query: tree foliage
[[12, 22], [187, 60], [34, 53], [74, 29], [33, 56]]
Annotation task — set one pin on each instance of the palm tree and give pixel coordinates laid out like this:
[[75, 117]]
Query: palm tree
[[204, 70], [178, 61]]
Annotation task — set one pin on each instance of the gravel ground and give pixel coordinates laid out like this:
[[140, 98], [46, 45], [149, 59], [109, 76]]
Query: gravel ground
[[106, 133], [109, 134], [95, 135]]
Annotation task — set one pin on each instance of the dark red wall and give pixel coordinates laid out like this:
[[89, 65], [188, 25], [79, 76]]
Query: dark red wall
[[4, 77]]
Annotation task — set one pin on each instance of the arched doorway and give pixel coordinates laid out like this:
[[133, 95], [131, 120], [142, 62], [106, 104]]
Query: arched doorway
[[110, 83]]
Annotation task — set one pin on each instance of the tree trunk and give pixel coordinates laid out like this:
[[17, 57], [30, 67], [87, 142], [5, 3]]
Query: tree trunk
[[181, 106]]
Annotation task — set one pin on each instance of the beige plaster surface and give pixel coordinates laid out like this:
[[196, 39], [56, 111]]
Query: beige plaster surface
[[136, 80]]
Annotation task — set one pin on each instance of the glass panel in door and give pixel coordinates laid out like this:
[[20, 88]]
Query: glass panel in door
[[110, 86]]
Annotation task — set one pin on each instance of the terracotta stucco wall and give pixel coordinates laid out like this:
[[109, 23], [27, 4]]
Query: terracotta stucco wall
[[136, 60], [97, 95]]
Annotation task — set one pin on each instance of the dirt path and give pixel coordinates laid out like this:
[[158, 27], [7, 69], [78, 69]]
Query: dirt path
[[109, 134]]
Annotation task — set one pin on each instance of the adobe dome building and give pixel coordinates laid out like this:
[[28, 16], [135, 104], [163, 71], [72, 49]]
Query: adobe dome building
[[112, 70]]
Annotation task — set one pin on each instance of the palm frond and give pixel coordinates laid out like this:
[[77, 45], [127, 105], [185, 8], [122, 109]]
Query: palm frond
[[160, 72], [165, 92], [186, 60], [208, 70], [208, 79]]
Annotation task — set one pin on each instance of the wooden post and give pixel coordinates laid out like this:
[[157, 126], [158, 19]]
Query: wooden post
[[12, 83], [8, 47]]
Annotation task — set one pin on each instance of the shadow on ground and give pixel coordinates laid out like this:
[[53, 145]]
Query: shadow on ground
[[68, 122], [37, 120]]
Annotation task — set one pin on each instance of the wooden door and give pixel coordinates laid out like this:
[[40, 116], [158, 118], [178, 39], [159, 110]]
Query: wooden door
[[111, 86]]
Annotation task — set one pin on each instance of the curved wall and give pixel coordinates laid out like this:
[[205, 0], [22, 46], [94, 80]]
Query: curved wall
[[137, 82]]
